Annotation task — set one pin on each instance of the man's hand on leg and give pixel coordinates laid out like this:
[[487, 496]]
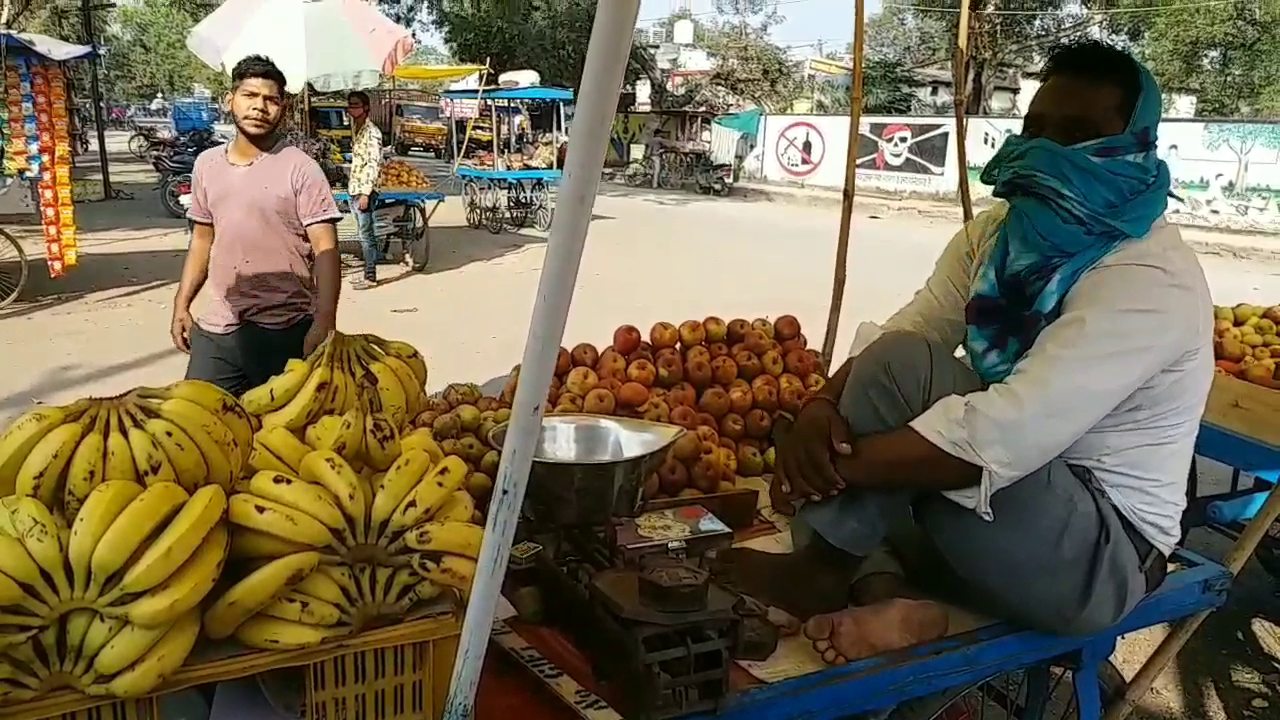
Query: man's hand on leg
[[805, 468]]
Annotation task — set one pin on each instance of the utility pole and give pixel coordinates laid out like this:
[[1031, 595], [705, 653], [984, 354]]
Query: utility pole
[[86, 16]]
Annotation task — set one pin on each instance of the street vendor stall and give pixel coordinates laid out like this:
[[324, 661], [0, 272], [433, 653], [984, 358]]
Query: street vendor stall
[[500, 188], [38, 153]]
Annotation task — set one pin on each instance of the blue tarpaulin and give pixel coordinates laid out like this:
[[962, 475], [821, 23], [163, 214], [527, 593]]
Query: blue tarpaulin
[[518, 93], [45, 46]]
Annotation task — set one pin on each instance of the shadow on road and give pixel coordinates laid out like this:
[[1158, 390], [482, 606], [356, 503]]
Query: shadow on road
[[72, 376]]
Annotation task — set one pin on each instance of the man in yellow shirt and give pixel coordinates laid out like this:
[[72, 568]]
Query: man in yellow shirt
[[366, 162]]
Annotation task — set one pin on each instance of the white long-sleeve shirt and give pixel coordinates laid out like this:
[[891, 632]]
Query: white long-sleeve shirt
[[1117, 384]]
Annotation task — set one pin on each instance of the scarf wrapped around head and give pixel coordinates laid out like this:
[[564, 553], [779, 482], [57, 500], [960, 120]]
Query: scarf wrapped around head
[[1068, 208]]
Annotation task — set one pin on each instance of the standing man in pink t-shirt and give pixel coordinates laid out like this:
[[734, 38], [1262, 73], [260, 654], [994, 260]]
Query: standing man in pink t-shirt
[[264, 247]]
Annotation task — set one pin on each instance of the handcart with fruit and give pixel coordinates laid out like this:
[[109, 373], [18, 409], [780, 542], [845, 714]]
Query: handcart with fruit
[[403, 207], [507, 189]]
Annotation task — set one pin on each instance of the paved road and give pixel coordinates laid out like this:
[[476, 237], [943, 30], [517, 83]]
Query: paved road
[[649, 257]]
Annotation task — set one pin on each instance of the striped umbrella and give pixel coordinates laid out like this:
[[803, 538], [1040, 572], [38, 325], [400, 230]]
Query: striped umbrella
[[333, 44]]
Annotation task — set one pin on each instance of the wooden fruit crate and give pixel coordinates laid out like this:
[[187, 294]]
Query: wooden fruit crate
[[395, 673], [1244, 409]]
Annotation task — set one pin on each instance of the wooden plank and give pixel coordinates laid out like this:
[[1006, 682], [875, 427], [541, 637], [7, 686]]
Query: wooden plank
[[1245, 409]]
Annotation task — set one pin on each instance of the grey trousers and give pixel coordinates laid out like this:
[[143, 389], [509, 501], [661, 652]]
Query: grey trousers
[[1055, 557]]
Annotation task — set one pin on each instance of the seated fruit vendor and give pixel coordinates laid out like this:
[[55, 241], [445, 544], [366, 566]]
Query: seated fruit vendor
[[264, 245], [1045, 476]]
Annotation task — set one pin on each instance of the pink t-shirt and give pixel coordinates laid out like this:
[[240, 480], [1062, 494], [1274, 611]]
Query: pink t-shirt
[[260, 265]]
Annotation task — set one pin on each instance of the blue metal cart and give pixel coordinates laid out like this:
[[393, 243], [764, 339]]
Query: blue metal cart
[[402, 224]]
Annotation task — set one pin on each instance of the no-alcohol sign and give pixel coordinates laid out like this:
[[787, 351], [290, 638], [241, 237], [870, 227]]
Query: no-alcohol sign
[[800, 149]]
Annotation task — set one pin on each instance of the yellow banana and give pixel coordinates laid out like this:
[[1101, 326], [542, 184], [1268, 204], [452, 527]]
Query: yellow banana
[[415, 395], [341, 384], [323, 433], [453, 571], [343, 577], [148, 512], [185, 589], [119, 459], [280, 389], [284, 446], [422, 439], [160, 661], [381, 440], [349, 438], [305, 609], [185, 457], [262, 459], [322, 586], [152, 462], [389, 390], [209, 434], [77, 627], [41, 474], [100, 631], [252, 545], [25, 432], [460, 507], [269, 633], [179, 540], [222, 404], [38, 531], [406, 353], [402, 580], [129, 644], [328, 470], [310, 498], [18, 565], [405, 473], [426, 497], [309, 401], [88, 465], [100, 510], [273, 518], [454, 538], [12, 595], [257, 590]]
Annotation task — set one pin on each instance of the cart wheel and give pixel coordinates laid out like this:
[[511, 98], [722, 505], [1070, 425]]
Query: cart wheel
[[475, 217], [637, 173], [494, 219], [470, 193], [13, 268], [419, 250], [542, 218], [1005, 697]]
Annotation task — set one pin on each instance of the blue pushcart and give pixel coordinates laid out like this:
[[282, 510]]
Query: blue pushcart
[[402, 225]]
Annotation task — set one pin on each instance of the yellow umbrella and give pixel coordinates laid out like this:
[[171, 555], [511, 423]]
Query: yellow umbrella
[[442, 73]]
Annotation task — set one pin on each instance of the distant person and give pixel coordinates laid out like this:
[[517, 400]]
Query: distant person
[[264, 246], [366, 163]]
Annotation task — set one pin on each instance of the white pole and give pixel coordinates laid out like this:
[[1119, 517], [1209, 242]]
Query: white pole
[[598, 102]]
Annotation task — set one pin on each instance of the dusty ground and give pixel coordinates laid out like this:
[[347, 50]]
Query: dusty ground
[[650, 256]]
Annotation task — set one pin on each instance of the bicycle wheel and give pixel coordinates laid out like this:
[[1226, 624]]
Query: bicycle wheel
[[1013, 696], [637, 173], [13, 268], [138, 144]]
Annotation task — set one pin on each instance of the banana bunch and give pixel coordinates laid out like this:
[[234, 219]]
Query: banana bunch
[[111, 604], [335, 379], [190, 433], [326, 550]]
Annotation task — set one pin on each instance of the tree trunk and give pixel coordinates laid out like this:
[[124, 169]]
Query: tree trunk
[[977, 87], [1242, 172]]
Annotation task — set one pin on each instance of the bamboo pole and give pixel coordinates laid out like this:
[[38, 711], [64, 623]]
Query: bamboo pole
[[960, 98], [850, 183], [1182, 632]]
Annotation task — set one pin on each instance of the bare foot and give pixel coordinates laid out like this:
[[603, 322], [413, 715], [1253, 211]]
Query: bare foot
[[862, 632], [803, 584]]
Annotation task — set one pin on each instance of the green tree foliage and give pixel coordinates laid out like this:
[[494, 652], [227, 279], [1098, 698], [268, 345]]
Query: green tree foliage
[[886, 90], [146, 51]]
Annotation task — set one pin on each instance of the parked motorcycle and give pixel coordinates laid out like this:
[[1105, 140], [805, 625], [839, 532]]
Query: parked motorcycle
[[175, 194], [713, 178]]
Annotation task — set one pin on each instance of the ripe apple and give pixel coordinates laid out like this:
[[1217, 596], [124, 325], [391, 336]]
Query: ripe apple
[[612, 384], [772, 363], [718, 349], [714, 401], [682, 393], [673, 477], [626, 340], [705, 475], [652, 487], [670, 368], [740, 399], [569, 402], [684, 416], [763, 326], [707, 434], [728, 463], [739, 383], [750, 461], [706, 419], [791, 398], [787, 380], [641, 354], [786, 327], [642, 371], [727, 443], [687, 447], [692, 333], [759, 423], [611, 365], [581, 381], [655, 410], [664, 335], [766, 397], [748, 364], [752, 442], [697, 352], [814, 382], [632, 395], [698, 372], [599, 402], [732, 426], [799, 363], [564, 362], [716, 329], [724, 370], [757, 342], [737, 330]]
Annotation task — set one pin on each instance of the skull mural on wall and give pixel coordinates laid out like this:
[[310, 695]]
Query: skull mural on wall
[[895, 139], [905, 148]]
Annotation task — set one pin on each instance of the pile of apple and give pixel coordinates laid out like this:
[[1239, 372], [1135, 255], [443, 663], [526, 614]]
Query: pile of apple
[[1246, 343], [726, 382]]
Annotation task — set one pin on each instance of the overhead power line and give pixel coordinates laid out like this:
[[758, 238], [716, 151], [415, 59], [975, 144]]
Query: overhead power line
[[1081, 10]]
